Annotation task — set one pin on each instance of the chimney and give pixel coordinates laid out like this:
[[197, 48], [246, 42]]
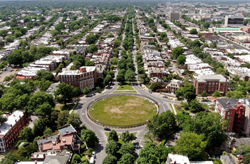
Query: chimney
[[83, 69], [74, 67], [174, 162]]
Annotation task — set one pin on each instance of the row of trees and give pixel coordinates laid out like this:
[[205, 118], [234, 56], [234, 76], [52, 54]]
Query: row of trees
[[126, 68], [21, 56]]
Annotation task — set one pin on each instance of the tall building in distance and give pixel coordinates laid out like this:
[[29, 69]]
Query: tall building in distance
[[173, 15], [234, 20]]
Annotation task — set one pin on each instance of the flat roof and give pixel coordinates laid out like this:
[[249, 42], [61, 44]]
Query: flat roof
[[11, 121]]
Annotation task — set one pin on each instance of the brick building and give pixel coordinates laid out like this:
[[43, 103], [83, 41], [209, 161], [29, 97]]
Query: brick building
[[84, 77], [210, 83], [10, 129], [233, 110]]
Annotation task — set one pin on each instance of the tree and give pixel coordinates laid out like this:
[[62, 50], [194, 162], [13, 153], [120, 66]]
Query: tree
[[86, 90], [39, 127], [177, 52], [189, 92], [112, 147], [130, 75], [163, 125], [45, 75], [195, 106], [65, 93], [113, 136], [15, 58], [127, 137], [181, 60], [193, 31], [216, 94], [47, 132], [53, 119], [75, 121], [117, 43], [76, 159], [44, 110], [91, 38], [191, 145], [107, 79], [204, 94], [149, 154], [179, 93], [127, 159], [92, 48], [40, 98], [89, 137], [62, 118], [26, 134], [110, 159], [210, 125], [127, 148], [155, 86], [120, 77], [246, 158]]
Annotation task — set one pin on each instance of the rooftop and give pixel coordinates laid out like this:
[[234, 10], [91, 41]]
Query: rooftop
[[11, 121], [205, 78]]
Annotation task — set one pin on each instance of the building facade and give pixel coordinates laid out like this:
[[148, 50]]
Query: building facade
[[10, 129], [233, 110], [210, 83], [84, 77], [234, 20]]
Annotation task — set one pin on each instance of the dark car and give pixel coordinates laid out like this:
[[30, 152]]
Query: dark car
[[107, 129]]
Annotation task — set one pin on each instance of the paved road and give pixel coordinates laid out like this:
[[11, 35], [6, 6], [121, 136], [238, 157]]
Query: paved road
[[81, 109]]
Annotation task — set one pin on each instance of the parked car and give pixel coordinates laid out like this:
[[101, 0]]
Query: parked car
[[93, 154], [107, 129]]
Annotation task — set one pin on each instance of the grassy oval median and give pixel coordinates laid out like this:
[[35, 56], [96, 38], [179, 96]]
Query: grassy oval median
[[123, 111]]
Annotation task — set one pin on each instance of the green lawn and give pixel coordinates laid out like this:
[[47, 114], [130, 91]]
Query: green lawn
[[126, 91], [125, 87], [123, 111], [180, 109], [63, 107]]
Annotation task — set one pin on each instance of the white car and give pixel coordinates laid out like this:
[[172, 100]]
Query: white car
[[93, 154]]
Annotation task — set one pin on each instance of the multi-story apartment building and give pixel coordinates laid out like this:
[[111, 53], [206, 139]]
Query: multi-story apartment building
[[84, 77], [233, 110], [10, 129], [210, 83]]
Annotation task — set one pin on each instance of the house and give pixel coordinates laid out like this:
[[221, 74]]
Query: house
[[10, 129], [174, 85], [66, 138], [182, 159], [50, 157]]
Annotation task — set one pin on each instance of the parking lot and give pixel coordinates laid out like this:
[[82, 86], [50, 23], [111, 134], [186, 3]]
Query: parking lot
[[8, 72], [242, 141]]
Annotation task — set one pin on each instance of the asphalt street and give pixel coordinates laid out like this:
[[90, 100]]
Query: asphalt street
[[84, 102]]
